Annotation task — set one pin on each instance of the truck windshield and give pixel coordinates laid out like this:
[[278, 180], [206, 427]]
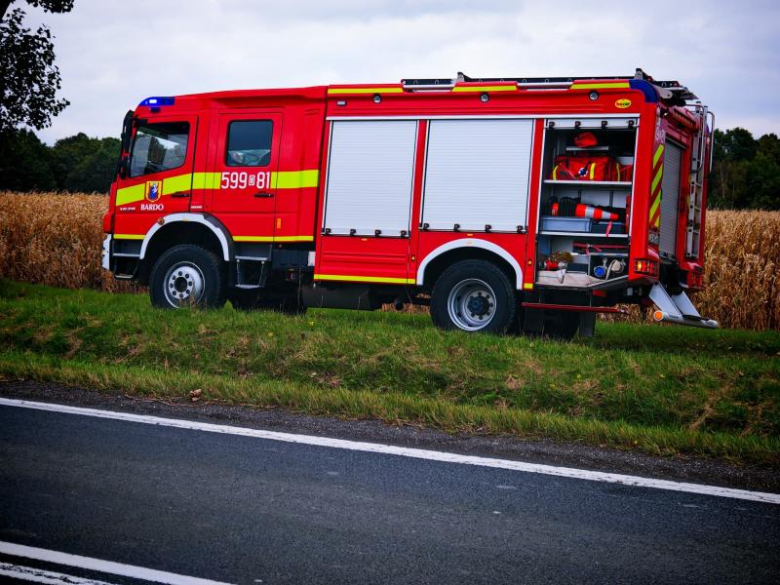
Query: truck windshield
[[159, 147]]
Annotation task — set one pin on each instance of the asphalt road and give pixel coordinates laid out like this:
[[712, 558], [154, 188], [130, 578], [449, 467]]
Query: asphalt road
[[248, 510]]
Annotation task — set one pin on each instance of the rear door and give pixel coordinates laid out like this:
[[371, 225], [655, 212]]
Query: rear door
[[244, 166], [671, 185]]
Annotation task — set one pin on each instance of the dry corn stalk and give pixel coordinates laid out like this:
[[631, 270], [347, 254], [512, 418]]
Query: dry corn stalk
[[55, 239]]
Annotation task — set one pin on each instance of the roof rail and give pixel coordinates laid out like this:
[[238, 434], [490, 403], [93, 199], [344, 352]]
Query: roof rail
[[670, 90]]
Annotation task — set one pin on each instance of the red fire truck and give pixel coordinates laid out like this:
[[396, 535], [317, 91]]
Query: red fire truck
[[504, 204]]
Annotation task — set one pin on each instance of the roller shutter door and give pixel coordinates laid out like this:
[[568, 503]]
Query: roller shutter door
[[670, 188], [370, 176], [477, 174]]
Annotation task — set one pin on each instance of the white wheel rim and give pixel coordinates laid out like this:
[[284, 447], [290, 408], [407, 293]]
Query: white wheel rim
[[471, 304], [184, 285]]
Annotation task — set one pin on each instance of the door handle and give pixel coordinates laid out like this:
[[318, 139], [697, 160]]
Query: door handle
[[263, 194], [181, 194]]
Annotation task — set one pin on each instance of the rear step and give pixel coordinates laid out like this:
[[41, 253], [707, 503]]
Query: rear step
[[677, 309]]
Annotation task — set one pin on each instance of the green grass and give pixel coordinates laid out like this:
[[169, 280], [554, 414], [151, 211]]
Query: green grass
[[662, 390]]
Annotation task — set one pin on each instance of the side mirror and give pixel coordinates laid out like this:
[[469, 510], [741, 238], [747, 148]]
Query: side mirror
[[124, 167]]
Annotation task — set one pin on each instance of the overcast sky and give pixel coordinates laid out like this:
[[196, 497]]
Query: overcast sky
[[114, 53]]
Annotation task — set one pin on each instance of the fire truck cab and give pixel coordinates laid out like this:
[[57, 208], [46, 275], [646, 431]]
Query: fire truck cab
[[511, 204]]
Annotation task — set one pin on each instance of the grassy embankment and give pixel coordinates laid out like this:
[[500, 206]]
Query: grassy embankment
[[55, 239], [662, 390]]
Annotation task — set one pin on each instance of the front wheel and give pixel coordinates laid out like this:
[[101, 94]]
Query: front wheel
[[187, 276], [473, 295]]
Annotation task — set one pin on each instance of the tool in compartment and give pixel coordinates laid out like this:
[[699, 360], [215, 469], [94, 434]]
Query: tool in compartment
[[606, 269], [612, 257], [569, 207], [557, 261]]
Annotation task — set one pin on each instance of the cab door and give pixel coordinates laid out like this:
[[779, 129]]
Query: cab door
[[245, 163], [159, 175]]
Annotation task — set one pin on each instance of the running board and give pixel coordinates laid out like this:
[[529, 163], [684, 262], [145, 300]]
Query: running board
[[677, 309]]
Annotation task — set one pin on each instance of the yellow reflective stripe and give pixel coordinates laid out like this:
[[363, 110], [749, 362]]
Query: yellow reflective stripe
[[555, 173], [179, 183], [129, 236], [613, 85], [592, 170], [345, 90], [461, 88], [273, 238], [657, 178], [383, 279], [656, 203], [176, 184], [528, 286], [130, 194], [293, 238], [617, 168], [659, 151], [295, 179], [206, 180]]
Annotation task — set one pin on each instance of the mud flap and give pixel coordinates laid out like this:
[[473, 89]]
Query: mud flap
[[677, 309]]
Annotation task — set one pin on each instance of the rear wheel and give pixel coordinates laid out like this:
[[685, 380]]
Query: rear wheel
[[187, 276], [473, 295], [286, 301], [561, 324]]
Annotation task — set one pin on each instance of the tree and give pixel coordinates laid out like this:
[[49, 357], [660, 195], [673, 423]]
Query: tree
[[94, 173], [25, 162], [47, 5], [29, 80], [68, 153], [735, 144], [746, 171]]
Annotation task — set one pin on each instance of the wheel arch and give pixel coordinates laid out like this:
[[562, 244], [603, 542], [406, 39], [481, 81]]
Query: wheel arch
[[469, 249], [184, 228]]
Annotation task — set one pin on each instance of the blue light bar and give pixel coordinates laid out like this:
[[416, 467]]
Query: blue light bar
[[158, 101]]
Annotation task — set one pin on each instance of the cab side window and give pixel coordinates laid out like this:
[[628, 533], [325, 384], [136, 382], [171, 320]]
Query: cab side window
[[159, 147], [249, 143]]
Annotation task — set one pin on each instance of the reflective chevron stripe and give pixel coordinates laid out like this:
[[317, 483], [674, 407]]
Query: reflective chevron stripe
[[655, 188]]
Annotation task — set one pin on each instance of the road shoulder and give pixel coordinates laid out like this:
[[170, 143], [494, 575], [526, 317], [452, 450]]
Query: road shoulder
[[687, 469]]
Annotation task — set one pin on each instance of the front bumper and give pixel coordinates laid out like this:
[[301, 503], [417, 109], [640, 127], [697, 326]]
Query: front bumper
[[105, 257]]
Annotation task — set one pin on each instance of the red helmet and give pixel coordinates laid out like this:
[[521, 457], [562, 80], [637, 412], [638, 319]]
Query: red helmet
[[585, 140]]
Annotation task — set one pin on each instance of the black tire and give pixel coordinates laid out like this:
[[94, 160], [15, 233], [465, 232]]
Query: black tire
[[561, 324], [262, 300], [244, 300], [474, 295], [187, 276]]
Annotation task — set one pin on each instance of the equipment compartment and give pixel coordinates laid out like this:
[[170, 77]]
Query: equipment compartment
[[585, 202]]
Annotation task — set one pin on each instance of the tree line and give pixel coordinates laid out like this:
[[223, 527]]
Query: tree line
[[76, 163], [745, 172]]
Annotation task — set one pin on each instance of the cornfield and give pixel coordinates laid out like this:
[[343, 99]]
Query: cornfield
[[55, 239]]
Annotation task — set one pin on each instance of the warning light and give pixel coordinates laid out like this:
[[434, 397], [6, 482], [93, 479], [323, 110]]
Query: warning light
[[658, 315], [158, 101], [644, 266]]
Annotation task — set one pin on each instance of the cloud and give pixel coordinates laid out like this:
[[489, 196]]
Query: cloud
[[112, 54]]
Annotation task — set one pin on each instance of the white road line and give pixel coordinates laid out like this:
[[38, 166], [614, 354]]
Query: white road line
[[40, 576], [100, 566], [444, 457]]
